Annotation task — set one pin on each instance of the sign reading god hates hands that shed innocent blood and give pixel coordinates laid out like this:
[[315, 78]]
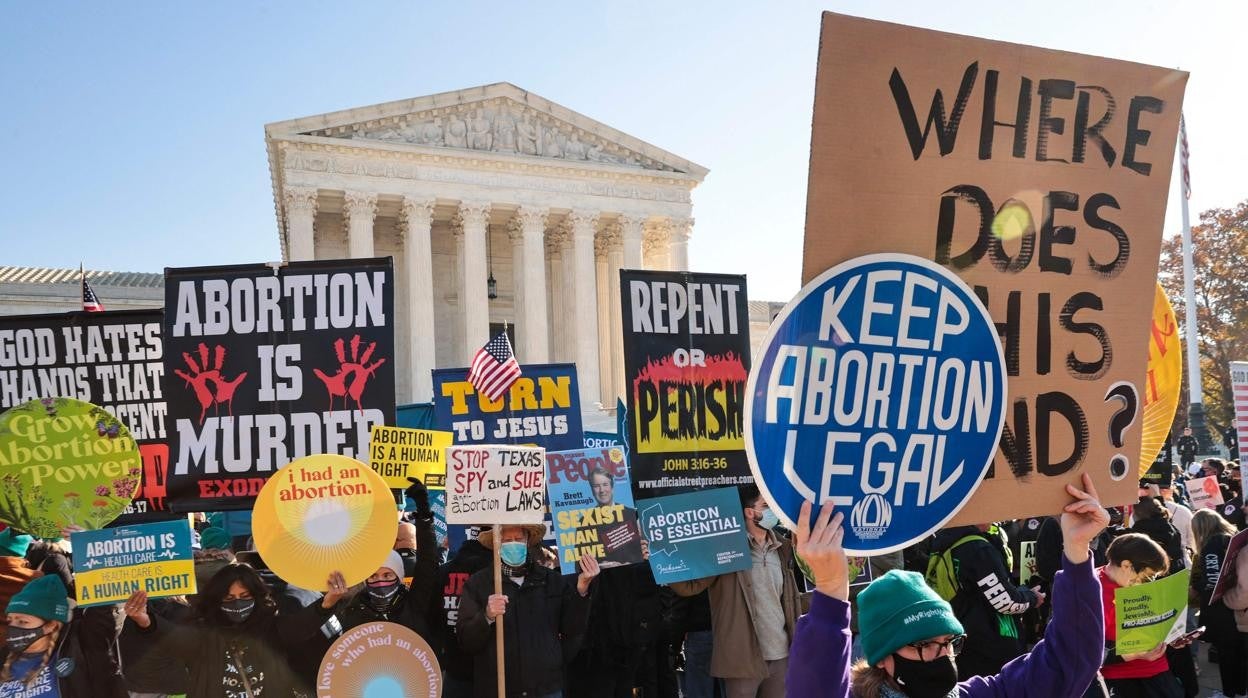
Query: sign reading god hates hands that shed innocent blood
[[64, 463], [880, 388], [495, 484], [379, 660], [322, 514], [1039, 177]]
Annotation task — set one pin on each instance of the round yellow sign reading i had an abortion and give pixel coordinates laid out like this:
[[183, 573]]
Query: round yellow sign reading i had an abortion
[[321, 514]]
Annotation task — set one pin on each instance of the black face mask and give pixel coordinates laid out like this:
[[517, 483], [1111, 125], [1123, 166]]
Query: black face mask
[[18, 640], [382, 595], [238, 610], [934, 679]]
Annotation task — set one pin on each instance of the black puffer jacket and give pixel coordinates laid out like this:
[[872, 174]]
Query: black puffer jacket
[[151, 668], [444, 609], [542, 630], [86, 655], [411, 604], [262, 645], [987, 602]]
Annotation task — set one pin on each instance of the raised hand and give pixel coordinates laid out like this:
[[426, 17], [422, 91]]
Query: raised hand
[[589, 570], [136, 609], [821, 548], [336, 588], [1082, 520], [352, 375]]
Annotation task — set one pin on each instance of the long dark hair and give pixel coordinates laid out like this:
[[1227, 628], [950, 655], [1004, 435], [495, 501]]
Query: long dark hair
[[208, 601]]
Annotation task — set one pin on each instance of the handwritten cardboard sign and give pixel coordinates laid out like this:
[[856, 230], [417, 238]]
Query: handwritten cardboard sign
[[495, 484], [1040, 178]]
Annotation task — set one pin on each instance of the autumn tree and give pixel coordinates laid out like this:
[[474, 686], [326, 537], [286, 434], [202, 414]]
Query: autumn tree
[[1220, 258]]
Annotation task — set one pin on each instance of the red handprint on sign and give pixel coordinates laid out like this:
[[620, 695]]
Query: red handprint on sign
[[352, 375], [210, 386]]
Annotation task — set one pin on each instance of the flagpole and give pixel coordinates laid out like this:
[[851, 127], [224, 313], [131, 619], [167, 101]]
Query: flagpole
[[1195, 385]]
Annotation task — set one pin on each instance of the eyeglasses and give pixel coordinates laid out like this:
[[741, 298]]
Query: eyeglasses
[[930, 650]]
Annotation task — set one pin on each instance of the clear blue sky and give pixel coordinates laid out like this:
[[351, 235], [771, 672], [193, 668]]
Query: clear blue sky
[[132, 132]]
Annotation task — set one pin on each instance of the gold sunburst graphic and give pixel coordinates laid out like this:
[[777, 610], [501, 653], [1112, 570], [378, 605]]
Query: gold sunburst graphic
[[1164, 379], [321, 514], [380, 660]]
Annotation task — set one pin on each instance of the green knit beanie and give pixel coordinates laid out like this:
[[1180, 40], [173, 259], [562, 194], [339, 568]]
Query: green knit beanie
[[42, 597], [898, 609], [213, 538]]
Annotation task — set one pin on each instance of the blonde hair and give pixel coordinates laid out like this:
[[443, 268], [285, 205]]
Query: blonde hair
[[1206, 524], [6, 672], [868, 681]]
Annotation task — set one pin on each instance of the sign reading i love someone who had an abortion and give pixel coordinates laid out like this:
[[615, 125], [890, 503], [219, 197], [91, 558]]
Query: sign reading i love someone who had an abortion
[[880, 388]]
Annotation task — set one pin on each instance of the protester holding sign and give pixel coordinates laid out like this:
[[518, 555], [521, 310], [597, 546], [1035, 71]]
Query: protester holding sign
[[49, 653], [911, 637], [1134, 559], [386, 597], [1212, 535], [753, 612], [452, 577], [237, 644], [545, 614]]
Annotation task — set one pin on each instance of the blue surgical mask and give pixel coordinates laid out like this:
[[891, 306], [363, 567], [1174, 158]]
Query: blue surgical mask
[[514, 553], [768, 520]]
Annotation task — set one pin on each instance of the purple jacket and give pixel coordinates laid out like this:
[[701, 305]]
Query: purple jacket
[[1064, 663]]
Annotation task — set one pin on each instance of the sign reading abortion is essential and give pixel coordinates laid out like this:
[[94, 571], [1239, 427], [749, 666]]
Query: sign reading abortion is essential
[[113, 563], [695, 535], [880, 388]]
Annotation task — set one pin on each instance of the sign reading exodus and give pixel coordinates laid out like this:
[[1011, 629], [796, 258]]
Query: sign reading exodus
[[695, 535], [686, 359], [265, 365], [112, 359], [543, 407], [495, 484], [112, 564], [1039, 177], [880, 388]]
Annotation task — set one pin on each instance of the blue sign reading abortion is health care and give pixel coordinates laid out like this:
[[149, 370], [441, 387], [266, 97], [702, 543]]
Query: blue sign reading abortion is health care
[[881, 388]]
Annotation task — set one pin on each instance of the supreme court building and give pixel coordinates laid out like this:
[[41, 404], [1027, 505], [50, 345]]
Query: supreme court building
[[498, 206]]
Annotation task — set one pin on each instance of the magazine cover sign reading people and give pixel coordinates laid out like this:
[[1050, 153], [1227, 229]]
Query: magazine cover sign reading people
[[591, 503], [268, 364], [686, 359], [112, 359], [1039, 177]]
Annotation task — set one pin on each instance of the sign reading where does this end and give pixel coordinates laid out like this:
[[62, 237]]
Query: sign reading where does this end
[[495, 484], [880, 388], [1039, 177]]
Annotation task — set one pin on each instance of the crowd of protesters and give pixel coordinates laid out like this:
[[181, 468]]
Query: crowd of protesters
[[986, 627]]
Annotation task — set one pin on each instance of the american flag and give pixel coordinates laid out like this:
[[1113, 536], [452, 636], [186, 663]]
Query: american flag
[[90, 302], [494, 368], [1187, 174]]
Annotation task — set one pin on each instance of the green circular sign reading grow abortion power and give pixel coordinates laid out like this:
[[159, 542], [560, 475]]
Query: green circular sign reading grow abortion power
[[64, 464]]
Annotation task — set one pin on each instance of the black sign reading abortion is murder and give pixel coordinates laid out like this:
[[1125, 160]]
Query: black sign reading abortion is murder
[[264, 365]]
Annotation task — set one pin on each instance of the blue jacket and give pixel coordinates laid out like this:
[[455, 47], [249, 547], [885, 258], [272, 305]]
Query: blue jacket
[[1064, 663]]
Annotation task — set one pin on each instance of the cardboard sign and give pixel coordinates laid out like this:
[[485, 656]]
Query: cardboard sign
[[1151, 613], [381, 659], [1205, 493], [495, 484], [881, 388], [64, 463], [397, 454], [695, 535], [323, 514], [542, 408], [265, 365], [686, 358], [112, 564], [591, 504], [1164, 382], [1228, 576], [112, 359], [1040, 178]]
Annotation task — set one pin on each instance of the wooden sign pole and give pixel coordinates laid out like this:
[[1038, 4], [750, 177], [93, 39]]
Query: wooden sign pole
[[498, 622]]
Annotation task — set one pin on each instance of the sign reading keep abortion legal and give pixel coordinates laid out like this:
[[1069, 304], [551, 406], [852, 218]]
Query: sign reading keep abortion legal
[[880, 388]]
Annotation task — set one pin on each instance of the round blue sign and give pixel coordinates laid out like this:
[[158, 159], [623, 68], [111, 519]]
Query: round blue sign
[[881, 388]]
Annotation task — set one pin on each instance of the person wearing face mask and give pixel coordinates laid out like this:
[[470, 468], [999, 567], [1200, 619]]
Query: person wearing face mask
[[911, 637], [237, 645], [51, 652], [545, 616], [753, 612]]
